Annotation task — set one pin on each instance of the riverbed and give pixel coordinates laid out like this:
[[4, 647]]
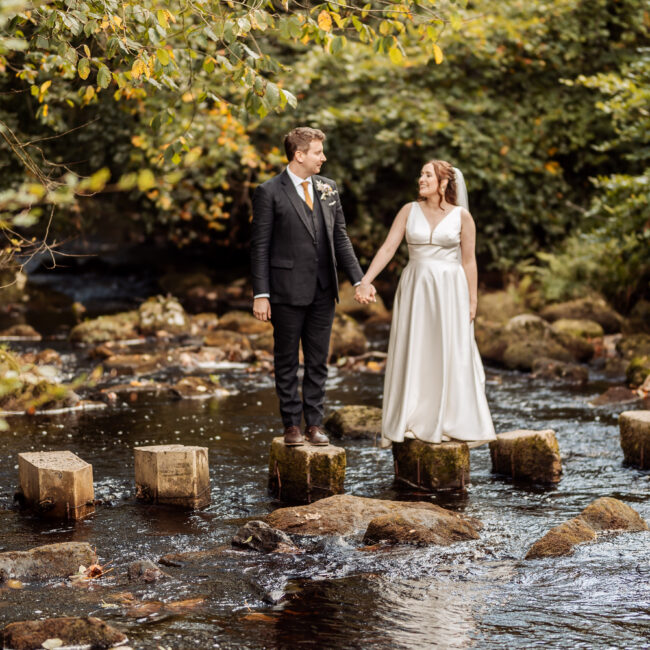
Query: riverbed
[[474, 594]]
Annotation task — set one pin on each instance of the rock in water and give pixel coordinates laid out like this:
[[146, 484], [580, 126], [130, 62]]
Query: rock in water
[[561, 539], [635, 437], [615, 395], [259, 536], [594, 309], [349, 515], [355, 422], [604, 514], [419, 527], [429, 466], [116, 327], [571, 373], [527, 455], [347, 338], [87, 632], [49, 561], [306, 473], [145, 571], [161, 313]]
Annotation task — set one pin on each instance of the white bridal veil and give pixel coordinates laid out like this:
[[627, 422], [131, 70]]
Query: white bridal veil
[[461, 189]]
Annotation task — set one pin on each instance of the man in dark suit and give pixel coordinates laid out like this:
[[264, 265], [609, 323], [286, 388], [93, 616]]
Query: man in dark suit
[[298, 242]]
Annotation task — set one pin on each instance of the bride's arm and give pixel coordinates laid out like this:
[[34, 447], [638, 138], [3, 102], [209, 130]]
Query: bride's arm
[[467, 246], [388, 248]]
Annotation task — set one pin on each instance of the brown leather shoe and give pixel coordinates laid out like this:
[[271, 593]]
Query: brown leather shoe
[[316, 436], [293, 437]]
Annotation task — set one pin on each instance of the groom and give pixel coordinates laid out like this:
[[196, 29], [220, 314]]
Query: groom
[[298, 242]]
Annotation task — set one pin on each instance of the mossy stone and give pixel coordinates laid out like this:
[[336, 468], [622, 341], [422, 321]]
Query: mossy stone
[[431, 466], [637, 370], [561, 539], [355, 422], [635, 437], [306, 473], [528, 455]]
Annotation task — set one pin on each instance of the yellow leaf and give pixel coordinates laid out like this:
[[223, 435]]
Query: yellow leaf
[[138, 68], [395, 55], [437, 53], [146, 180], [45, 86], [553, 167], [45, 109], [86, 50], [325, 21]]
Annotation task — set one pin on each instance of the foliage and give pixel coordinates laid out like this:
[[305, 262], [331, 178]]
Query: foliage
[[497, 108], [154, 96], [611, 252]]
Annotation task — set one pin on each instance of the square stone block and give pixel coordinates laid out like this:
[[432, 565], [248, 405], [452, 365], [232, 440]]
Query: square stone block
[[431, 466], [528, 455], [635, 438], [306, 473], [57, 484], [176, 475]]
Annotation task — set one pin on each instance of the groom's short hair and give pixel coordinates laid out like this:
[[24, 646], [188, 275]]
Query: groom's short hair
[[299, 139]]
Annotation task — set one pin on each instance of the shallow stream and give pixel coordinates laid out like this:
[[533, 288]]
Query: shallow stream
[[475, 594]]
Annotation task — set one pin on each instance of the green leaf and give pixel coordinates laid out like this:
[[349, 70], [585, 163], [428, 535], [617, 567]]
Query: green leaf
[[146, 180], [103, 76], [163, 56]]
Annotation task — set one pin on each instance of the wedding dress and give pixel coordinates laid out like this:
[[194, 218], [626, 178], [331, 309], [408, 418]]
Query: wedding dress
[[434, 386]]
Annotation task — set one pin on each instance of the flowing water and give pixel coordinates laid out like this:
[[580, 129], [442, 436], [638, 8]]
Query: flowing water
[[474, 594]]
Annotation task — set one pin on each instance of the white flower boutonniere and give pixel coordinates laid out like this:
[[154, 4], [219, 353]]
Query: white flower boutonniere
[[326, 192]]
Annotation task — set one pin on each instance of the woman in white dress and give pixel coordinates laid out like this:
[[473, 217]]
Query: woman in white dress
[[434, 387]]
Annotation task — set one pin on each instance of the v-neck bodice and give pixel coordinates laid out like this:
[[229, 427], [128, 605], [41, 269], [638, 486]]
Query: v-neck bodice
[[441, 243]]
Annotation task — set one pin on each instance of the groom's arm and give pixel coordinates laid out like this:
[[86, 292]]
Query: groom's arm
[[345, 257], [262, 228]]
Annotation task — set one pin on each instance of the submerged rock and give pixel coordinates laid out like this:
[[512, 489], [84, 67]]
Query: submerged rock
[[594, 309], [420, 527], [604, 514], [116, 327], [528, 455], [192, 557], [145, 571], [86, 632], [635, 437], [259, 536], [198, 387], [49, 561], [355, 422], [349, 515], [135, 364]]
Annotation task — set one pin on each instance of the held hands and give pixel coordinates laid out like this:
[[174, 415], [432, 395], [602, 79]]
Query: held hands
[[262, 309], [365, 293]]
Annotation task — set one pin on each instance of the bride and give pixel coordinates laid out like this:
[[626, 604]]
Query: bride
[[434, 389]]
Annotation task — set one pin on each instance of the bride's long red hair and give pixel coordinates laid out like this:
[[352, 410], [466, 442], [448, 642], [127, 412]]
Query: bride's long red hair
[[444, 171]]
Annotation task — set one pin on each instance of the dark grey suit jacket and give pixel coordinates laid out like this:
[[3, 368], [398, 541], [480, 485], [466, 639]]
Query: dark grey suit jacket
[[283, 246]]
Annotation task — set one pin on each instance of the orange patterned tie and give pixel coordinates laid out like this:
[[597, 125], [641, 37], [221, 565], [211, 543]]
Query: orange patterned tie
[[308, 200]]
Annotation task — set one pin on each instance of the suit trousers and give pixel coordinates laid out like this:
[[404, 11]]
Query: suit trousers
[[311, 324]]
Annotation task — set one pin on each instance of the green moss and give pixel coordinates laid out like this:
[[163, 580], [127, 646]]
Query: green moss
[[431, 466]]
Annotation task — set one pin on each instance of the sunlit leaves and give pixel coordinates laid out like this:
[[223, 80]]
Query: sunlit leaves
[[83, 67]]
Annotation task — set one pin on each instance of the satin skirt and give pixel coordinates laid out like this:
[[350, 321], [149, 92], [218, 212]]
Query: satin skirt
[[435, 382]]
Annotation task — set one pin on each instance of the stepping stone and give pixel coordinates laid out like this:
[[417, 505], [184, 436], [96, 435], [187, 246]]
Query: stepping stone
[[528, 455], [57, 484], [430, 466], [176, 475], [635, 437], [306, 473]]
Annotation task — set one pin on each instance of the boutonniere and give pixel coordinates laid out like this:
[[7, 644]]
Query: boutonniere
[[326, 191]]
